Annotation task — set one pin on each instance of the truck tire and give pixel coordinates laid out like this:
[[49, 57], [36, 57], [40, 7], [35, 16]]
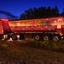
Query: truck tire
[[56, 38], [46, 38], [37, 37], [1, 37], [13, 37]]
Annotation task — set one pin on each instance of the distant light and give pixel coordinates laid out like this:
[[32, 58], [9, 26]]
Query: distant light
[[18, 36], [62, 37], [61, 34], [47, 19], [35, 25], [55, 21], [60, 19], [46, 26], [4, 19]]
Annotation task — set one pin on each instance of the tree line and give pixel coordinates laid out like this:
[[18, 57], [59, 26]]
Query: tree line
[[41, 12]]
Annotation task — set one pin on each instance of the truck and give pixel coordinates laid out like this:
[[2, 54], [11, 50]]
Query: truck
[[37, 29]]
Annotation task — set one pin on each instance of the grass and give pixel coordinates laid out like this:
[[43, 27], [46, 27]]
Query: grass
[[31, 52], [52, 45]]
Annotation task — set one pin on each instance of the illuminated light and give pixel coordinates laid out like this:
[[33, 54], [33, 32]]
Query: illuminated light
[[61, 34], [18, 36], [30, 22], [27, 25], [18, 24], [46, 26], [55, 21], [23, 29], [47, 19], [59, 19], [35, 25], [62, 37], [19, 21], [4, 19], [39, 27], [4, 37], [2, 30]]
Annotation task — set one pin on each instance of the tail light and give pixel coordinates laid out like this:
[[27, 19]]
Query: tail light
[[61, 34], [5, 36], [18, 36]]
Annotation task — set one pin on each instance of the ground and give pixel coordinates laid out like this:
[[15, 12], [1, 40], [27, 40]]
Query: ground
[[16, 52]]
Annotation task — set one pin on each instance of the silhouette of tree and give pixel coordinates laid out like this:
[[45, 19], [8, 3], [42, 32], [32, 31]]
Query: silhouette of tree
[[62, 14], [48, 12], [55, 11], [40, 12], [22, 16]]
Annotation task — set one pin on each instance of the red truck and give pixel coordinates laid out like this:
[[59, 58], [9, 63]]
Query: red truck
[[38, 29]]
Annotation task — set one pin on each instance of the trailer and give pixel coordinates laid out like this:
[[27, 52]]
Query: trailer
[[37, 29]]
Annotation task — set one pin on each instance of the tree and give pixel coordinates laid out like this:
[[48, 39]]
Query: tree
[[55, 11], [62, 14], [40, 12], [22, 16], [49, 12]]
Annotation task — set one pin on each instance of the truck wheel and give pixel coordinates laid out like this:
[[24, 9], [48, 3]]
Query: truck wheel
[[55, 38], [13, 37], [37, 37], [46, 38]]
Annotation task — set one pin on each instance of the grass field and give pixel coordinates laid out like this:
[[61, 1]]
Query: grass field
[[31, 52]]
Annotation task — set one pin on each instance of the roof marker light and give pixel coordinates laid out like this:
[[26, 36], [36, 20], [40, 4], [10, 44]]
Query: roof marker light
[[4, 19]]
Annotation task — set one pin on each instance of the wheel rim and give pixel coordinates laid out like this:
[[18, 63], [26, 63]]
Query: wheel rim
[[45, 38], [56, 38], [37, 37]]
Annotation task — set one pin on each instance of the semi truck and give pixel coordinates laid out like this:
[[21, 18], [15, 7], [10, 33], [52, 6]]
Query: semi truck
[[37, 29]]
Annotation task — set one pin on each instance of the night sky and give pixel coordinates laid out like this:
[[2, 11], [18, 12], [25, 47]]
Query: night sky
[[16, 7]]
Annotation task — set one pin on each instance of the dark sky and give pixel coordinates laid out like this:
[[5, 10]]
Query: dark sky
[[16, 7]]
